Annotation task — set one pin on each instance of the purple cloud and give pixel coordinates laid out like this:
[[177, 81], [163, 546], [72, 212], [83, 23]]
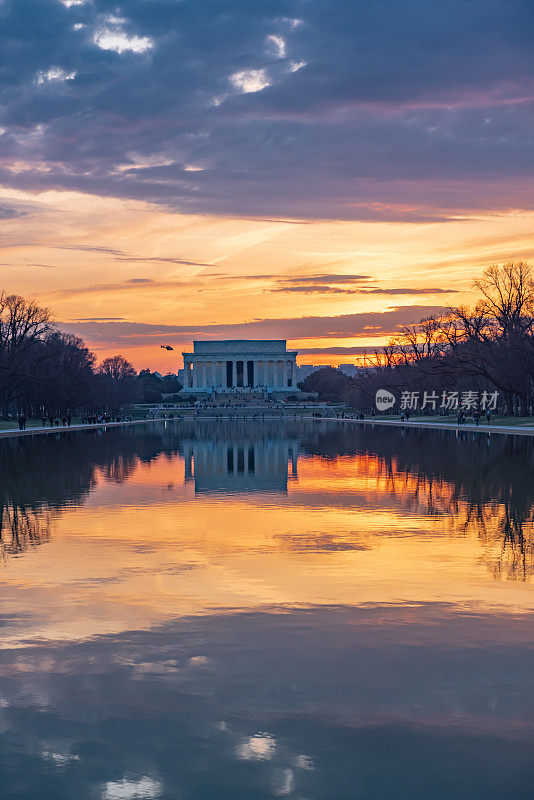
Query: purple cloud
[[372, 111]]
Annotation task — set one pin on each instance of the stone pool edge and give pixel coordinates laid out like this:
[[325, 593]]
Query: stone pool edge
[[448, 426], [444, 426]]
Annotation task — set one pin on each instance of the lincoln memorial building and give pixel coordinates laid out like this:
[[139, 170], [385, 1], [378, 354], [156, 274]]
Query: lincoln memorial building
[[240, 365]]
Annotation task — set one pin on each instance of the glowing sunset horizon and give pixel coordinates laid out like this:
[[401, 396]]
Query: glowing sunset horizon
[[183, 171]]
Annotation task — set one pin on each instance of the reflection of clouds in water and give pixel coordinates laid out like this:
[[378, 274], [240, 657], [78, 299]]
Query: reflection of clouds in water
[[303, 762], [167, 667], [163, 668], [257, 748], [283, 781], [59, 759], [145, 788], [264, 747], [409, 684], [323, 542], [198, 661]]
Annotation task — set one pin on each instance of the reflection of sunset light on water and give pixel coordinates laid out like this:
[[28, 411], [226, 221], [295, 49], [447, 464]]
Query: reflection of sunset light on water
[[315, 599], [143, 547]]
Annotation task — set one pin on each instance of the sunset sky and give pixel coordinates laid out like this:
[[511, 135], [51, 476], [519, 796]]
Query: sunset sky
[[316, 170]]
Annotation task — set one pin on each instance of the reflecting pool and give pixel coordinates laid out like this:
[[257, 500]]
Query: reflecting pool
[[312, 611]]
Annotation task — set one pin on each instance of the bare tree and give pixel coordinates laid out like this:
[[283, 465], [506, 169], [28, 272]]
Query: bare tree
[[117, 368], [118, 385], [23, 325], [508, 297]]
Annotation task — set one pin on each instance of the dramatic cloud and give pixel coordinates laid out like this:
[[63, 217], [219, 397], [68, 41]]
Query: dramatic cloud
[[275, 108], [368, 324]]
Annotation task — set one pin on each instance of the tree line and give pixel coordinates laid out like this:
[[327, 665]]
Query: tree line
[[45, 372], [488, 347]]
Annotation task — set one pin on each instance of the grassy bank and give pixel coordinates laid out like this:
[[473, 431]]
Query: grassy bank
[[452, 419], [12, 424]]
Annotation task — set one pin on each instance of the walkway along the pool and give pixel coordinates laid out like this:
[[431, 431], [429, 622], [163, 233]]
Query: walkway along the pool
[[448, 426]]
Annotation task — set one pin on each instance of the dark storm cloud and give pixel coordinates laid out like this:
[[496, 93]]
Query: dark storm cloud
[[369, 323], [276, 108]]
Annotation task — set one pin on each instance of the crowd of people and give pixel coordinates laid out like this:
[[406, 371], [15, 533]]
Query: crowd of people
[[65, 421], [238, 400]]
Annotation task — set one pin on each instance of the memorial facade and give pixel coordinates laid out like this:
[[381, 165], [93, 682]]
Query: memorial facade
[[240, 365]]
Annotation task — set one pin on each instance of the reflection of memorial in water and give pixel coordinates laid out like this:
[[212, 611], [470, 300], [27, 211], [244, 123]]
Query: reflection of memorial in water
[[240, 464]]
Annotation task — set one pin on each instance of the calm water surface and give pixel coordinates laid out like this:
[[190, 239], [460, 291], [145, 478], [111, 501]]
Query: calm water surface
[[221, 610]]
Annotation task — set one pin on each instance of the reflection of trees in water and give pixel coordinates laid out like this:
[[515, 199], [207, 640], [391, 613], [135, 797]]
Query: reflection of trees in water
[[120, 468], [472, 481], [41, 475], [507, 535], [476, 482], [21, 528]]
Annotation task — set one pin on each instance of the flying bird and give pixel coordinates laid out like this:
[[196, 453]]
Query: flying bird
[[166, 347]]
